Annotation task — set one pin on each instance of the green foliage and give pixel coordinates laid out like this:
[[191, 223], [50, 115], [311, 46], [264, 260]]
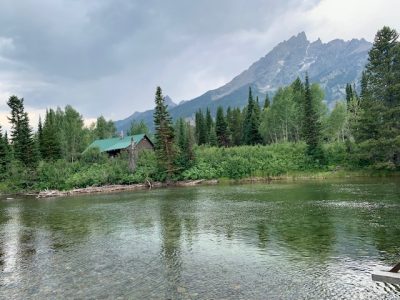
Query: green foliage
[[75, 137], [235, 125], [93, 155], [21, 133], [248, 161], [50, 141], [311, 124], [267, 102], [104, 129], [185, 142], [3, 155], [138, 128], [221, 128], [377, 127], [278, 122], [251, 135], [201, 128], [336, 128], [164, 136]]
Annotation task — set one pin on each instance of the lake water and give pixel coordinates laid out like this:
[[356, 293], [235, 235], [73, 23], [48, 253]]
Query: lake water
[[303, 240]]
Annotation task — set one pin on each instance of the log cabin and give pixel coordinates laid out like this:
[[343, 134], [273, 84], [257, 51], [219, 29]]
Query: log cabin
[[115, 146]]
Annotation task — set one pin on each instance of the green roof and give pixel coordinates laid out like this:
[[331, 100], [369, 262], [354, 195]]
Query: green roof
[[117, 143]]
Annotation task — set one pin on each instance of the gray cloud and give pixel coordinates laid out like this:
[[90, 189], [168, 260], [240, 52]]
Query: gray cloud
[[107, 56]]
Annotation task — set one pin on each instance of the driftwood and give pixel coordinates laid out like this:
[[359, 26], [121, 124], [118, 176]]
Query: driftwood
[[119, 188], [92, 190]]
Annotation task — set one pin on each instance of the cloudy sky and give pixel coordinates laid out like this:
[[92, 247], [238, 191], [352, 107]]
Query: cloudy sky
[[105, 57]]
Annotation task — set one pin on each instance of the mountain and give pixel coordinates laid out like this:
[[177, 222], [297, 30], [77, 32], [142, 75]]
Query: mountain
[[332, 65], [147, 117]]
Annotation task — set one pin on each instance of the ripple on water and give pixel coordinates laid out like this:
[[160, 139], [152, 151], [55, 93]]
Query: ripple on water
[[222, 242]]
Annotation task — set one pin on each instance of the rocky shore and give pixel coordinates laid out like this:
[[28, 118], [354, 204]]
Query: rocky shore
[[120, 188]]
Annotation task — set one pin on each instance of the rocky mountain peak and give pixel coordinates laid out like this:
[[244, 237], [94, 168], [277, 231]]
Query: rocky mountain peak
[[332, 65]]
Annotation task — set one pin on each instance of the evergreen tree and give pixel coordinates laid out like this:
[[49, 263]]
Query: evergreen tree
[[236, 127], [311, 124], [209, 124], [213, 137], [164, 136], [185, 141], [349, 93], [251, 135], [21, 133], [221, 128], [377, 129], [201, 128], [267, 102], [40, 137], [51, 143], [181, 136], [3, 155], [257, 110], [382, 83], [229, 123]]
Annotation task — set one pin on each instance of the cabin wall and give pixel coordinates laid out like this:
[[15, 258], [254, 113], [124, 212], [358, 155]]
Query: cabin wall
[[144, 144]]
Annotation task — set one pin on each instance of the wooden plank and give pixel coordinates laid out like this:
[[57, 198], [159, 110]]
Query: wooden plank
[[386, 276], [396, 268]]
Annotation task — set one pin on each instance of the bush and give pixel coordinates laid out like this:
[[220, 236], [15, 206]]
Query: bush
[[247, 161]]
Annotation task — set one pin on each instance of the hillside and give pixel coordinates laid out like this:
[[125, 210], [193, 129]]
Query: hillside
[[331, 64]]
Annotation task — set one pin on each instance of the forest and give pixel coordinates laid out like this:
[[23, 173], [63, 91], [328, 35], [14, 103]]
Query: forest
[[286, 134]]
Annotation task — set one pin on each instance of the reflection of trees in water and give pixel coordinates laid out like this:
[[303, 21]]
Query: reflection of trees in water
[[263, 235], [304, 227], [4, 218], [177, 221], [384, 228]]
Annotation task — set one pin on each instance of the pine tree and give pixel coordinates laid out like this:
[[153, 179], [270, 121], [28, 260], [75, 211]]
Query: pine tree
[[236, 127], [229, 123], [257, 110], [21, 133], [311, 124], [209, 124], [164, 136], [201, 128], [213, 137], [378, 128], [349, 94], [221, 128], [251, 135], [3, 155], [267, 102], [185, 141], [40, 137], [381, 67], [51, 142]]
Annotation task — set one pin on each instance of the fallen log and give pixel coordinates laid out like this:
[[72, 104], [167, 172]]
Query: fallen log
[[118, 188]]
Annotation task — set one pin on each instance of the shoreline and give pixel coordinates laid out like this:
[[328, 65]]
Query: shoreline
[[288, 177], [105, 189]]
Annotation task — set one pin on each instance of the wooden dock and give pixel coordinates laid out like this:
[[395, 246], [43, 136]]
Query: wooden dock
[[389, 276]]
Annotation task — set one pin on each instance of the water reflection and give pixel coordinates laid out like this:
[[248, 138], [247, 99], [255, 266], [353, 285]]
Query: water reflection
[[303, 240]]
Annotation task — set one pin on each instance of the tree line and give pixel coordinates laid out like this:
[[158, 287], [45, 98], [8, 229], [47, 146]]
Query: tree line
[[366, 124]]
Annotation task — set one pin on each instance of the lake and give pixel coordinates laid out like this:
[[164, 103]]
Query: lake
[[293, 240]]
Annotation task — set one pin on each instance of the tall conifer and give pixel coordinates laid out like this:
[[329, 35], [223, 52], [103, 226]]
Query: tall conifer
[[164, 136], [311, 124], [21, 133]]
